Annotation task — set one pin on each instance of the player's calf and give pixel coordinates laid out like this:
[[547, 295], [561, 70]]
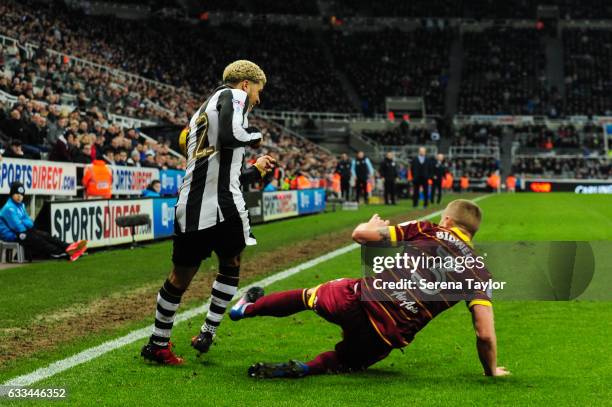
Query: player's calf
[[223, 290]]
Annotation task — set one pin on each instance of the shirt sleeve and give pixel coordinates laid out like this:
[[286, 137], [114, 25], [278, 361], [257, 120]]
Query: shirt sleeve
[[370, 168], [250, 175], [405, 231], [480, 297], [27, 221], [232, 107]]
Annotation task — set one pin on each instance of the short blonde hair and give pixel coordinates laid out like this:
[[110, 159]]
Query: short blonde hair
[[466, 214], [242, 70]]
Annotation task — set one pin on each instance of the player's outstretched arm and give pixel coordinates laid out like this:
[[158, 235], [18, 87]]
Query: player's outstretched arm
[[486, 341], [375, 230]]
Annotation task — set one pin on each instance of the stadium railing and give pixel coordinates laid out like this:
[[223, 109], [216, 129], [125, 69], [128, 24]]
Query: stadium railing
[[7, 98], [406, 152]]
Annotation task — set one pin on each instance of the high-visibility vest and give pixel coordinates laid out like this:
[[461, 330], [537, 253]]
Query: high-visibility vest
[[98, 180], [336, 182], [303, 182], [493, 181], [511, 182], [464, 182], [447, 181]]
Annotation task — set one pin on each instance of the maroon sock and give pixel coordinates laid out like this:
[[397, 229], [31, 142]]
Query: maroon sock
[[278, 304], [323, 363]]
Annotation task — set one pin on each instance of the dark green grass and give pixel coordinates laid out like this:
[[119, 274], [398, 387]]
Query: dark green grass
[[558, 351]]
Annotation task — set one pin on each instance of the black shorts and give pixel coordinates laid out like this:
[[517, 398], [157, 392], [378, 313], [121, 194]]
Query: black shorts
[[226, 239]]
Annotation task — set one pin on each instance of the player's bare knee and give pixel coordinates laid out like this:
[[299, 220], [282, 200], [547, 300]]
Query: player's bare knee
[[181, 277], [230, 261]]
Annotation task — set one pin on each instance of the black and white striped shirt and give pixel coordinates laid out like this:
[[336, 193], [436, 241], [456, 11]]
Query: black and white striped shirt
[[218, 134]]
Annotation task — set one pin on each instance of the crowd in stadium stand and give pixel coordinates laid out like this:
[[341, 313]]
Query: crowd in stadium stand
[[580, 168], [35, 130], [402, 135], [49, 79], [498, 79], [108, 41], [588, 71], [566, 139], [477, 9], [477, 135], [476, 168], [387, 69], [262, 6]]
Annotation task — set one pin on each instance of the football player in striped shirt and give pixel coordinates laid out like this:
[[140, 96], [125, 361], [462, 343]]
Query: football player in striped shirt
[[373, 327], [211, 214]]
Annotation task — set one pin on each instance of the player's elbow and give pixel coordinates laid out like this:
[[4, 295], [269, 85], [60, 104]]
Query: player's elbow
[[359, 235]]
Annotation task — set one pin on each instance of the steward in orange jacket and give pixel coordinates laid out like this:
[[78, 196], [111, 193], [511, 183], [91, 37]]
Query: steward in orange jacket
[[98, 180]]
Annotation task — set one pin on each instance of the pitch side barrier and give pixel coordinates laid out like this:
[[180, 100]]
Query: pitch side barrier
[[578, 186], [95, 220]]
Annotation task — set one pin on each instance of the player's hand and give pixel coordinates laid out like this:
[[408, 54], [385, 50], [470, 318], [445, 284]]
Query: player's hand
[[265, 163], [376, 221], [501, 371]]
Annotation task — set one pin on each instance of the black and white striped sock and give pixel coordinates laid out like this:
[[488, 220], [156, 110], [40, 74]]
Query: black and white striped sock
[[223, 290], [168, 301]]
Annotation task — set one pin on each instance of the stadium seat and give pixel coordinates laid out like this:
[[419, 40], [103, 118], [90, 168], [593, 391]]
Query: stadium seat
[[16, 252]]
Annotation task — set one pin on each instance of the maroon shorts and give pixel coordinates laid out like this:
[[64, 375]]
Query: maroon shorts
[[338, 301]]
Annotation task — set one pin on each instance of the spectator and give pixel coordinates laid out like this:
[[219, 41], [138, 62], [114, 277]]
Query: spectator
[[16, 226], [150, 160], [83, 156], [108, 155], [64, 147], [153, 190], [272, 186], [121, 157], [14, 126], [134, 160], [15, 150]]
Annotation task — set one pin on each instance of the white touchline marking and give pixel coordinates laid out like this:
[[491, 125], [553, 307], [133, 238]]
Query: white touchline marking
[[97, 351]]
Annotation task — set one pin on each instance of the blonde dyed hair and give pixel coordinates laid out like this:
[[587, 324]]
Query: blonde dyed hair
[[242, 70], [465, 214]]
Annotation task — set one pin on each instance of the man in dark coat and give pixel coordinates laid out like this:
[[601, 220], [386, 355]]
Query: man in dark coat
[[421, 168], [388, 170], [439, 172], [344, 170]]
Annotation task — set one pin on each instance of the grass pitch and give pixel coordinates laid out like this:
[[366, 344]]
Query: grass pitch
[[558, 352]]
